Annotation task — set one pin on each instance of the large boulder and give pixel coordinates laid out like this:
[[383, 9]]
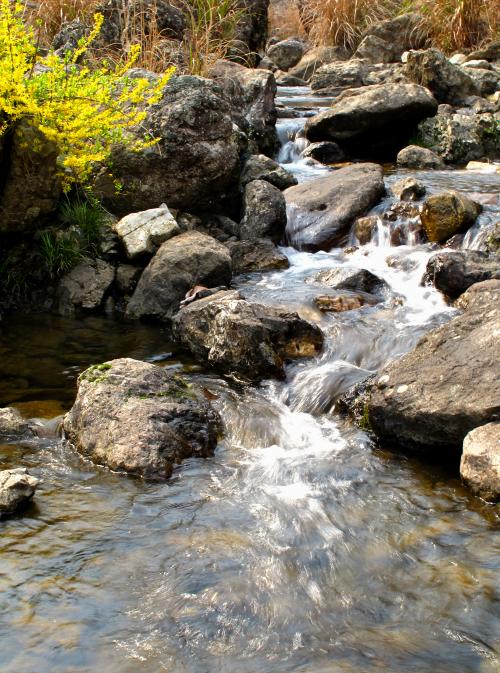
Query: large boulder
[[414, 156], [315, 58], [251, 95], [431, 398], [84, 287], [454, 272], [181, 263], [480, 463], [139, 418], [237, 336], [486, 79], [444, 215], [17, 487], [194, 164], [458, 137], [386, 41], [321, 212], [286, 53], [374, 120], [448, 82], [340, 74], [260, 167], [30, 186], [143, 233], [264, 212], [256, 255]]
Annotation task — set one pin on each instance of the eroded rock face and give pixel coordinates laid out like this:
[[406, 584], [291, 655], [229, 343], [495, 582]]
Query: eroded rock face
[[143, 233], [181, 263], [195, 162], [448, 82], [17, 487], [84, 287], [264, 213], [419, 157], [444, 215], [480, 463], [433, 397], [253, 340], [321, 212], [454, 272], [138, 418], [373, 120]]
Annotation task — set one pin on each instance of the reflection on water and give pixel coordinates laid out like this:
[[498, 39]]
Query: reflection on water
[[297, 547]]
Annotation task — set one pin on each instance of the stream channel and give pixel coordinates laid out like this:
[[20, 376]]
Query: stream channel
[[299, 546]]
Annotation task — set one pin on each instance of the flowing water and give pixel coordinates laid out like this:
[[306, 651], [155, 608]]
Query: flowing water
[[299, 546]]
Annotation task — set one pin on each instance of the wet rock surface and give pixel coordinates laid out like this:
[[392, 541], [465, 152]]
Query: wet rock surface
[[246, 338], [181, 263], [356, 280], [444, 215], [433, 397], [480, 463], [321, 211], [138, 418], [454, 272], [12, 424], [17, 488]]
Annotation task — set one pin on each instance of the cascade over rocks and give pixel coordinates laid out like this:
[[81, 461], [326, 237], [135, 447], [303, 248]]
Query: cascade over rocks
[[139, 418], [264, 212], [433, 397], [181, 263], [454, 272], [195, 162], [444, 215], [373, 120], [17, 487], [321, 212], [237, 336], [480, 463]]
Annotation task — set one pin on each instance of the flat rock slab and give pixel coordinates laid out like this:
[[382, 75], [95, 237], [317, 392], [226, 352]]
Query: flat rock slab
[[138, 418], [321, 212], [480, 464], [431, 398], [237, 336]]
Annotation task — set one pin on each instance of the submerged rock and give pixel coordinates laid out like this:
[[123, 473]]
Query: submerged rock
[[444, 215], [340, 302], [320, 212], [17, 487], [138, 418], [480, 464], [431, 398], [143, 233], [373, 120], [181, 263], [454, 272], [239, 336]]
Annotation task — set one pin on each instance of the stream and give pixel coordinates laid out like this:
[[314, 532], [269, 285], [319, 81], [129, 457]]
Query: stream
[[299, 546]]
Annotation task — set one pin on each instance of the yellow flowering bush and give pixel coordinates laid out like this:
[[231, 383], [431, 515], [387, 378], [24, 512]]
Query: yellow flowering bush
[[83, 110]]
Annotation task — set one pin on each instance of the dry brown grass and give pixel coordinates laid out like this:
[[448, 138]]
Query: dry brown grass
[[285, 21], [50, 15]]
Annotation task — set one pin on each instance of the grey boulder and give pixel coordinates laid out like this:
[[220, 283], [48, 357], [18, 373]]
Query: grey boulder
[[264, 212], [84, 287], [256, 255], [138, 418], [286, 53], [260, 167], [414, 156], [454, 272]]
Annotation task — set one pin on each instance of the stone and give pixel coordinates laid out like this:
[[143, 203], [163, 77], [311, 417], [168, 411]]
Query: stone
[[353, 279], [459, 138], [264, 212], [12, 424], [17, 488], [315, 58], [448, 83], [139, 418], [325, 152], [321, 212], [338, 303], [256, 255], [286, 53], [490, 52], [84, 287], [431, 398], [181, 263], [374, 120], [364, 228], [389, 39], [480, 463], [486, 79], [251, 95], [143, 233], [237, 336], [414, 156], [444, 215], [479, 295], [339, 74], [260, 167], [290, 80], [452, 273], [408, 189], [251, 30], [374, 50], [196, 161], [127, 277]]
